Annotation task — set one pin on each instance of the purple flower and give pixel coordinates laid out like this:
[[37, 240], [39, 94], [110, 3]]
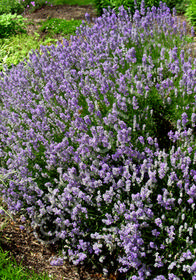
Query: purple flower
[[158, 222], [97, 248], [155, 232], [22, 227], [79, 132], [57, 262], [142, 8]]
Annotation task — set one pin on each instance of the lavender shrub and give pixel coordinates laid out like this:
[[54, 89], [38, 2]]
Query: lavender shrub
[[83, 129]]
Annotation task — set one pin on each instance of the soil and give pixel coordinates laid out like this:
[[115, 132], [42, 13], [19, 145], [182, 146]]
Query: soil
[[22, 244]]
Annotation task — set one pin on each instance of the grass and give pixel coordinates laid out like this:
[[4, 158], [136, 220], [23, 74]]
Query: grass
[[10, 270], [12, 50]]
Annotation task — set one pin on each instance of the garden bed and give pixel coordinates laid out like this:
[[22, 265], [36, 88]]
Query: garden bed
[[158, 116]]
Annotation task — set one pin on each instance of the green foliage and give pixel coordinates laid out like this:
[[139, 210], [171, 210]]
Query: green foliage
[[171, 3], [191, 12], [35, 4], [10, 270], [14, 49], [115, 4], [57, 26], [10, 6], [180, 5], [11, 25], [19, 6]]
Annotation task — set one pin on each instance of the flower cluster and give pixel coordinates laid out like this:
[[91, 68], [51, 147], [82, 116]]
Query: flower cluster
[[101, 136]]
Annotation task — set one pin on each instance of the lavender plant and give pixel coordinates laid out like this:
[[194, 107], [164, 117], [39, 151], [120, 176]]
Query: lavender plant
[[101, 136]]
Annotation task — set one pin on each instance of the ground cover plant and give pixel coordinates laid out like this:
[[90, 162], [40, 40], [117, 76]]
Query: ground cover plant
[[103, 138], [10, 6], [60, 26]]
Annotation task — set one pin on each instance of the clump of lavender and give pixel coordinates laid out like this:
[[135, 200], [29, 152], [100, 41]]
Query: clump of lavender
[[101, 136]]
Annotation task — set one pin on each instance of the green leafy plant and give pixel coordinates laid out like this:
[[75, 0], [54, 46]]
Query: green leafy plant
[[10, 6], [14, 49], [191, 12], [11, 24], [19, 6], [181, 6], [115, 4], [10, 270], [57, 26]]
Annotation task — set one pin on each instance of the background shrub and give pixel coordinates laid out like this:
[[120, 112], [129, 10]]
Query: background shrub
[[181, 6], [11, 25], [115, 4], [11, 6], [191, 12]]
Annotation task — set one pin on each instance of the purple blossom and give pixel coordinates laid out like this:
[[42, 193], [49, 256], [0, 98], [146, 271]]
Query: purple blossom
[[80, 134], [57, 262], [33, 3]]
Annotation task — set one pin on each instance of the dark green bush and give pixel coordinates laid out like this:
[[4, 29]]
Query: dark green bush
[[10, 6], [11, 25], [180, 5], [191, 12]]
